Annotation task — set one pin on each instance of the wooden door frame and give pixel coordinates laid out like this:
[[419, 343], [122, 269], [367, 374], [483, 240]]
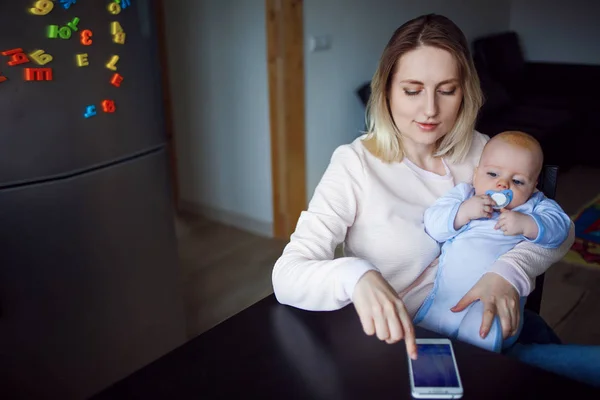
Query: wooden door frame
[[285, 66], [285, 71]]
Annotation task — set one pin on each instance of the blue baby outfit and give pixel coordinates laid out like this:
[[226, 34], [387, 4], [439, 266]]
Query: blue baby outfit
[[468, 253]]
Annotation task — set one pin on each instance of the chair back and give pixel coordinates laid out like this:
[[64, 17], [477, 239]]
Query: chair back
[[547, 185]]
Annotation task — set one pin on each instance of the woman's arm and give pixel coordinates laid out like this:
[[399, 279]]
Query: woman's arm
[[521, 265], [306, 275]]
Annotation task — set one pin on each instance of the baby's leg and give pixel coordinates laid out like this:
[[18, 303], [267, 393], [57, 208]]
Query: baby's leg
[[468, 330], [435, 315]]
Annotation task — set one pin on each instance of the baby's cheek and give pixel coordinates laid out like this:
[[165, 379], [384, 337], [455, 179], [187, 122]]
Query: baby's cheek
[[521, 195]]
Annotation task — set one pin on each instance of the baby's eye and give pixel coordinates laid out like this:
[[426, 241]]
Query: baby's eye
[[518, 182], [492, 174]]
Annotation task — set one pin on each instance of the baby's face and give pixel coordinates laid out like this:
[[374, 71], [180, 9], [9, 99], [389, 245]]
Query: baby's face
[[506, 166]]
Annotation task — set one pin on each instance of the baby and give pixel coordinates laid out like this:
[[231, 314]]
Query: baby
[[475, 230]]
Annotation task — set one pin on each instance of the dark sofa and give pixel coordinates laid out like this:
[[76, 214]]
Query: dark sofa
[[554, 102]]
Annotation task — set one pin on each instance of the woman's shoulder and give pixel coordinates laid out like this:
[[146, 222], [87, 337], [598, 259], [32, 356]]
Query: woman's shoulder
[[477, 145], [351, 154], [479, 141], [463, 171]]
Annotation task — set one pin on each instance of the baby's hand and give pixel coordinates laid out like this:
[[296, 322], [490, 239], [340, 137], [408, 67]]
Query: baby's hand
[[474, 208], [516, 223]]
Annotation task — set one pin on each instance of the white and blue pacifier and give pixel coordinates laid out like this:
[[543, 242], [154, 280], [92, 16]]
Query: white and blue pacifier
[[502, 198]]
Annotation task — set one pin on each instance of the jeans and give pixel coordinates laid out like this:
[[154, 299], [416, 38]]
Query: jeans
[[538, 345]]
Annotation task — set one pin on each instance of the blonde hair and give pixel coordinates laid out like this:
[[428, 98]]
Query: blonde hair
[[427, 30]]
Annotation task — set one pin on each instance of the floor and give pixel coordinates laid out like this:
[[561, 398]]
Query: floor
[[571, 301], [226, 270]]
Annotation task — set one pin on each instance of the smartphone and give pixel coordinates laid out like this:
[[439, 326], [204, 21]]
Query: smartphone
[[434, 374]]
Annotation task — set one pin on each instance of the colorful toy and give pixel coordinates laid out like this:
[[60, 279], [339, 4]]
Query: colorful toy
[[73, 24], [119, 38], [17, 57], [82, 60], [124, 3], [40, 57], [108, 106], [90, 111], [38, 74], [116, 80], [41, 7], [112, 64], [117, 31], [65, 31], [115, 27], [54, 32], [114, 8], [67, 3], [86, 37], [502, 198]]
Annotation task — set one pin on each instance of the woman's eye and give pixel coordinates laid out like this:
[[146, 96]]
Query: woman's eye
[[411, 92], [448, 92], [517, 182], [492, 174]]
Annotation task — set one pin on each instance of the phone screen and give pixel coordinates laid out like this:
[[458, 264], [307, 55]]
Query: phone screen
[[434, 366]]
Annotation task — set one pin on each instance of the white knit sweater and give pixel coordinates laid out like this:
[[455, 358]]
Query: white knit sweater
[[376, 209]]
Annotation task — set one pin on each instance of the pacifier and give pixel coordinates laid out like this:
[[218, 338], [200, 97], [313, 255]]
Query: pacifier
[[501, 197]]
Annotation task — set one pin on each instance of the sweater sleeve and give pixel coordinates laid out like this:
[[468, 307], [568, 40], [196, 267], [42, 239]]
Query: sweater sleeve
[[439, 217], [521, 265], [306, 275]]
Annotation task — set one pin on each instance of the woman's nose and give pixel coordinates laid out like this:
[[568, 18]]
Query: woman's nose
[[431, 108]]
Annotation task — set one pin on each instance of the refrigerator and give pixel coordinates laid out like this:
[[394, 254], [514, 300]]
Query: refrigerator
[[90, 289]]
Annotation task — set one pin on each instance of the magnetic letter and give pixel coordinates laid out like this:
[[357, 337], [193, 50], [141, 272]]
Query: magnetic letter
[[90, 111], [17, 57], [42, 7], [125, 3], [40, 57], [108, 106], [86, 36], [115, 27], [119, 38], [67, 3], [82, 60], [114, 8], [116, 80], [73, 24], [112, 64], [64, 32], [2, 78], [38, 74], [52, 31]]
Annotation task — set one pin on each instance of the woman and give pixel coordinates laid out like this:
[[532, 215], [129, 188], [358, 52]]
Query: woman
[[420, 143]]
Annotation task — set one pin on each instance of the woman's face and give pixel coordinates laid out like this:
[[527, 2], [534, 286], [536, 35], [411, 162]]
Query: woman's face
[[425, 95]]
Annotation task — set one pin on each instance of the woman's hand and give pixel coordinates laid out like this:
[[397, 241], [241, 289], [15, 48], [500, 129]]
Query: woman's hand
[[382, 312], [498, 297]]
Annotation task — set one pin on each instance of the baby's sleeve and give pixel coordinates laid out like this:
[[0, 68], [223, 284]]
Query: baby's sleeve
[[552, 222], [439, 218]]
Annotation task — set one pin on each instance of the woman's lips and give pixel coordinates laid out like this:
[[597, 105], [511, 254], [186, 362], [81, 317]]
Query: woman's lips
[[428, 127]]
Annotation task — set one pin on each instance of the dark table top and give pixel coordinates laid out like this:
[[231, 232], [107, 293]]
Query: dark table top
[[275, 351]]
